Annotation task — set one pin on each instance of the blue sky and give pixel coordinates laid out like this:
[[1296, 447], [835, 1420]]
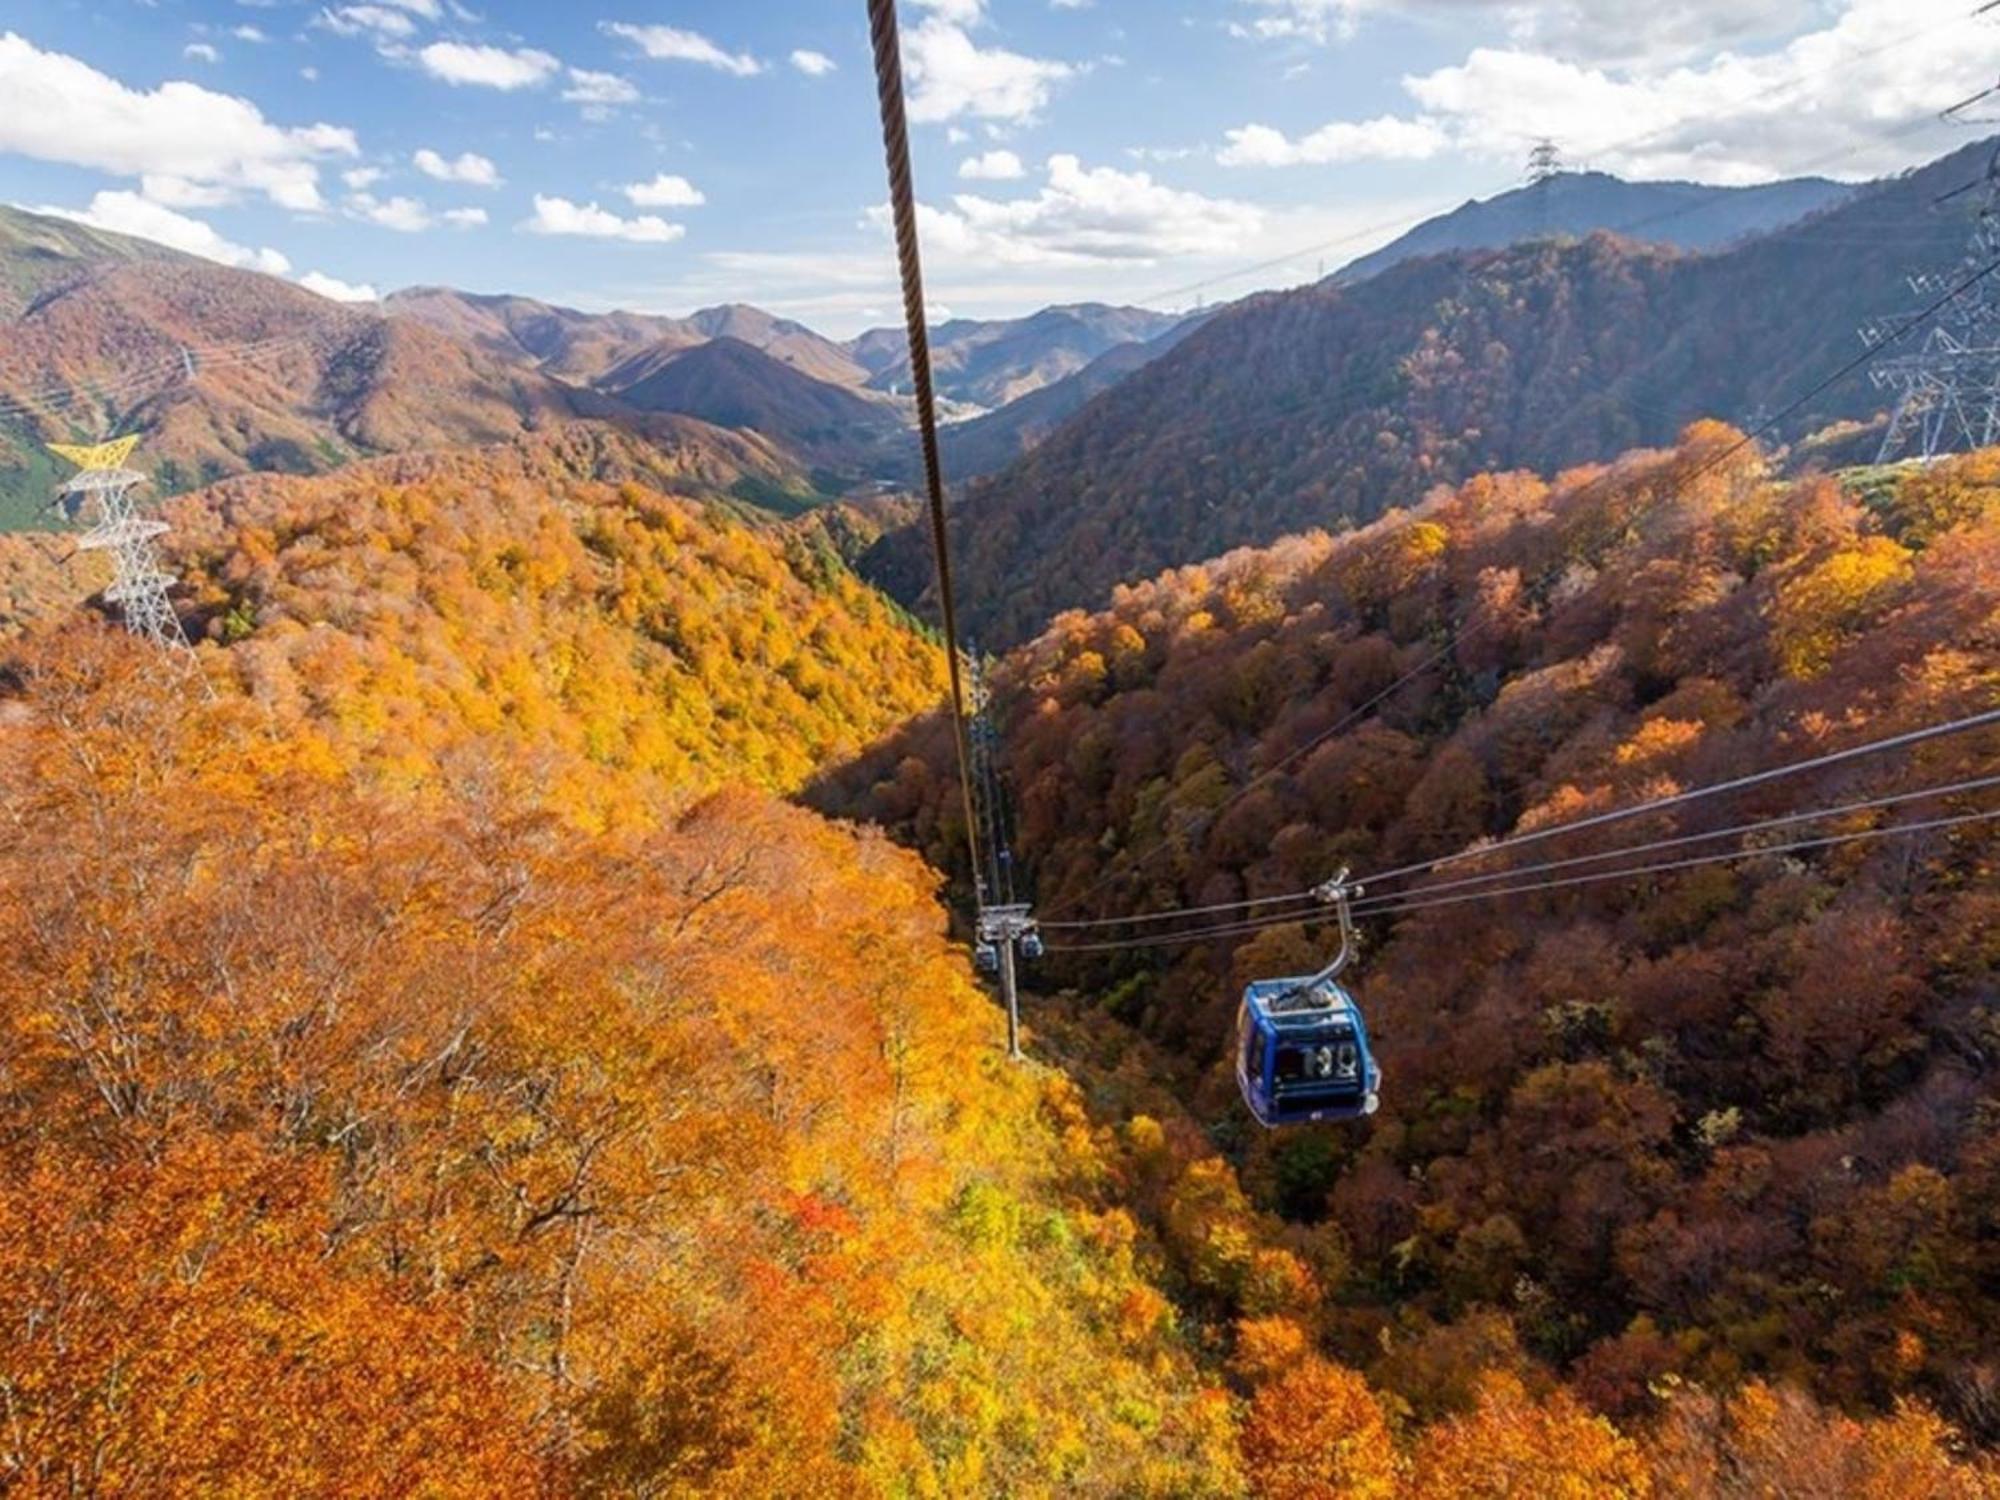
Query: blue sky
[[669, 154]]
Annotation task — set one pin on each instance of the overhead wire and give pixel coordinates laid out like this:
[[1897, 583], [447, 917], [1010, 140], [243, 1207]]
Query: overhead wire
[[1367, 903], [1904, 741], [1422, 900]]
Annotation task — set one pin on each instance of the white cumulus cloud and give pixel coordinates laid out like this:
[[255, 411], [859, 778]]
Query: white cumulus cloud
[[559, 216], [671, 44], [1845, 97], [336, 290], [128, 213], [665, 191], [200, 52], [464, 218], [992, 166], [951, 75], [1084, 214], [60, 109], [812, 64], [404, 215], [1385, 138], [468, 167], [363, 20], [599, 90], [461, 63]]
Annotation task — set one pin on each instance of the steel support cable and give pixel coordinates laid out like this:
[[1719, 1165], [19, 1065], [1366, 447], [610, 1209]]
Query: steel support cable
[[1757, 825], [1366, 904], [1473, 627], [1421, 902], [903, 210], [1418, 901], [1178, 912], [1384, 905], [1694, 794]]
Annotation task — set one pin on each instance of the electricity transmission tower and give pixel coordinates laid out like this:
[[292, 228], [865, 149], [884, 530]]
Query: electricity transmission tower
[[102, 497], [1948, 388], [1545, 165]]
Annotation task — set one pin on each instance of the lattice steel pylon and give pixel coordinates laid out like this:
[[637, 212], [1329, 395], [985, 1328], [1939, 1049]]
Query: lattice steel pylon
[[102, 497], [1948, 387]]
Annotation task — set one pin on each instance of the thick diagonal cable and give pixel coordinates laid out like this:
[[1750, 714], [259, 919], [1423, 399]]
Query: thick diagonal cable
[[1384, 903], [1814, 815], [1695, 794], [1420, 901], [903, 210]]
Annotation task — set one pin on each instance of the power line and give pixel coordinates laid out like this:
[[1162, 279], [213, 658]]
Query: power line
[[1421, 903], [903, 208], [1814, 815]]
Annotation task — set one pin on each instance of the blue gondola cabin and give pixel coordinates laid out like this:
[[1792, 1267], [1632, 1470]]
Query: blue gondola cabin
[[1302, 1053]]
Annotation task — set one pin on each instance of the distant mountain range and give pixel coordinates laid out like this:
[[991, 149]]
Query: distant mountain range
[[1688, 215], [227, 371], [991, 364], [730, 383], [1325, 406], [95, 326]]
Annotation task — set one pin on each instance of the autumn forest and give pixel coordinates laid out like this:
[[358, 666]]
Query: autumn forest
[[438, 1062], [493, 993]]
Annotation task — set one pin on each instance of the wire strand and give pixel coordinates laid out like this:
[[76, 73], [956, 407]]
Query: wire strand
[[903, 209], [1695, 794], [1420, 902], [1373, 904]]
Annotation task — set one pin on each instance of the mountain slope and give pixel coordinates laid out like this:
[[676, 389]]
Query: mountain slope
[[1327, 405], [1631, 1129], [574, 346], [988, 443], [731, 384], [1690, 215], [39, 252], [992, 363], [782, 339], [225, 371], [513, 1117]]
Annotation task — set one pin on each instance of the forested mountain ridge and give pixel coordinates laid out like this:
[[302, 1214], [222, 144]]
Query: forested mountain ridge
[[995, 362], [575, 346], [985, 444], [372, 1141], [731, 384], [1726, 1128], [225, 371], [1688, 215], [1327, 405], [562, 594]]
